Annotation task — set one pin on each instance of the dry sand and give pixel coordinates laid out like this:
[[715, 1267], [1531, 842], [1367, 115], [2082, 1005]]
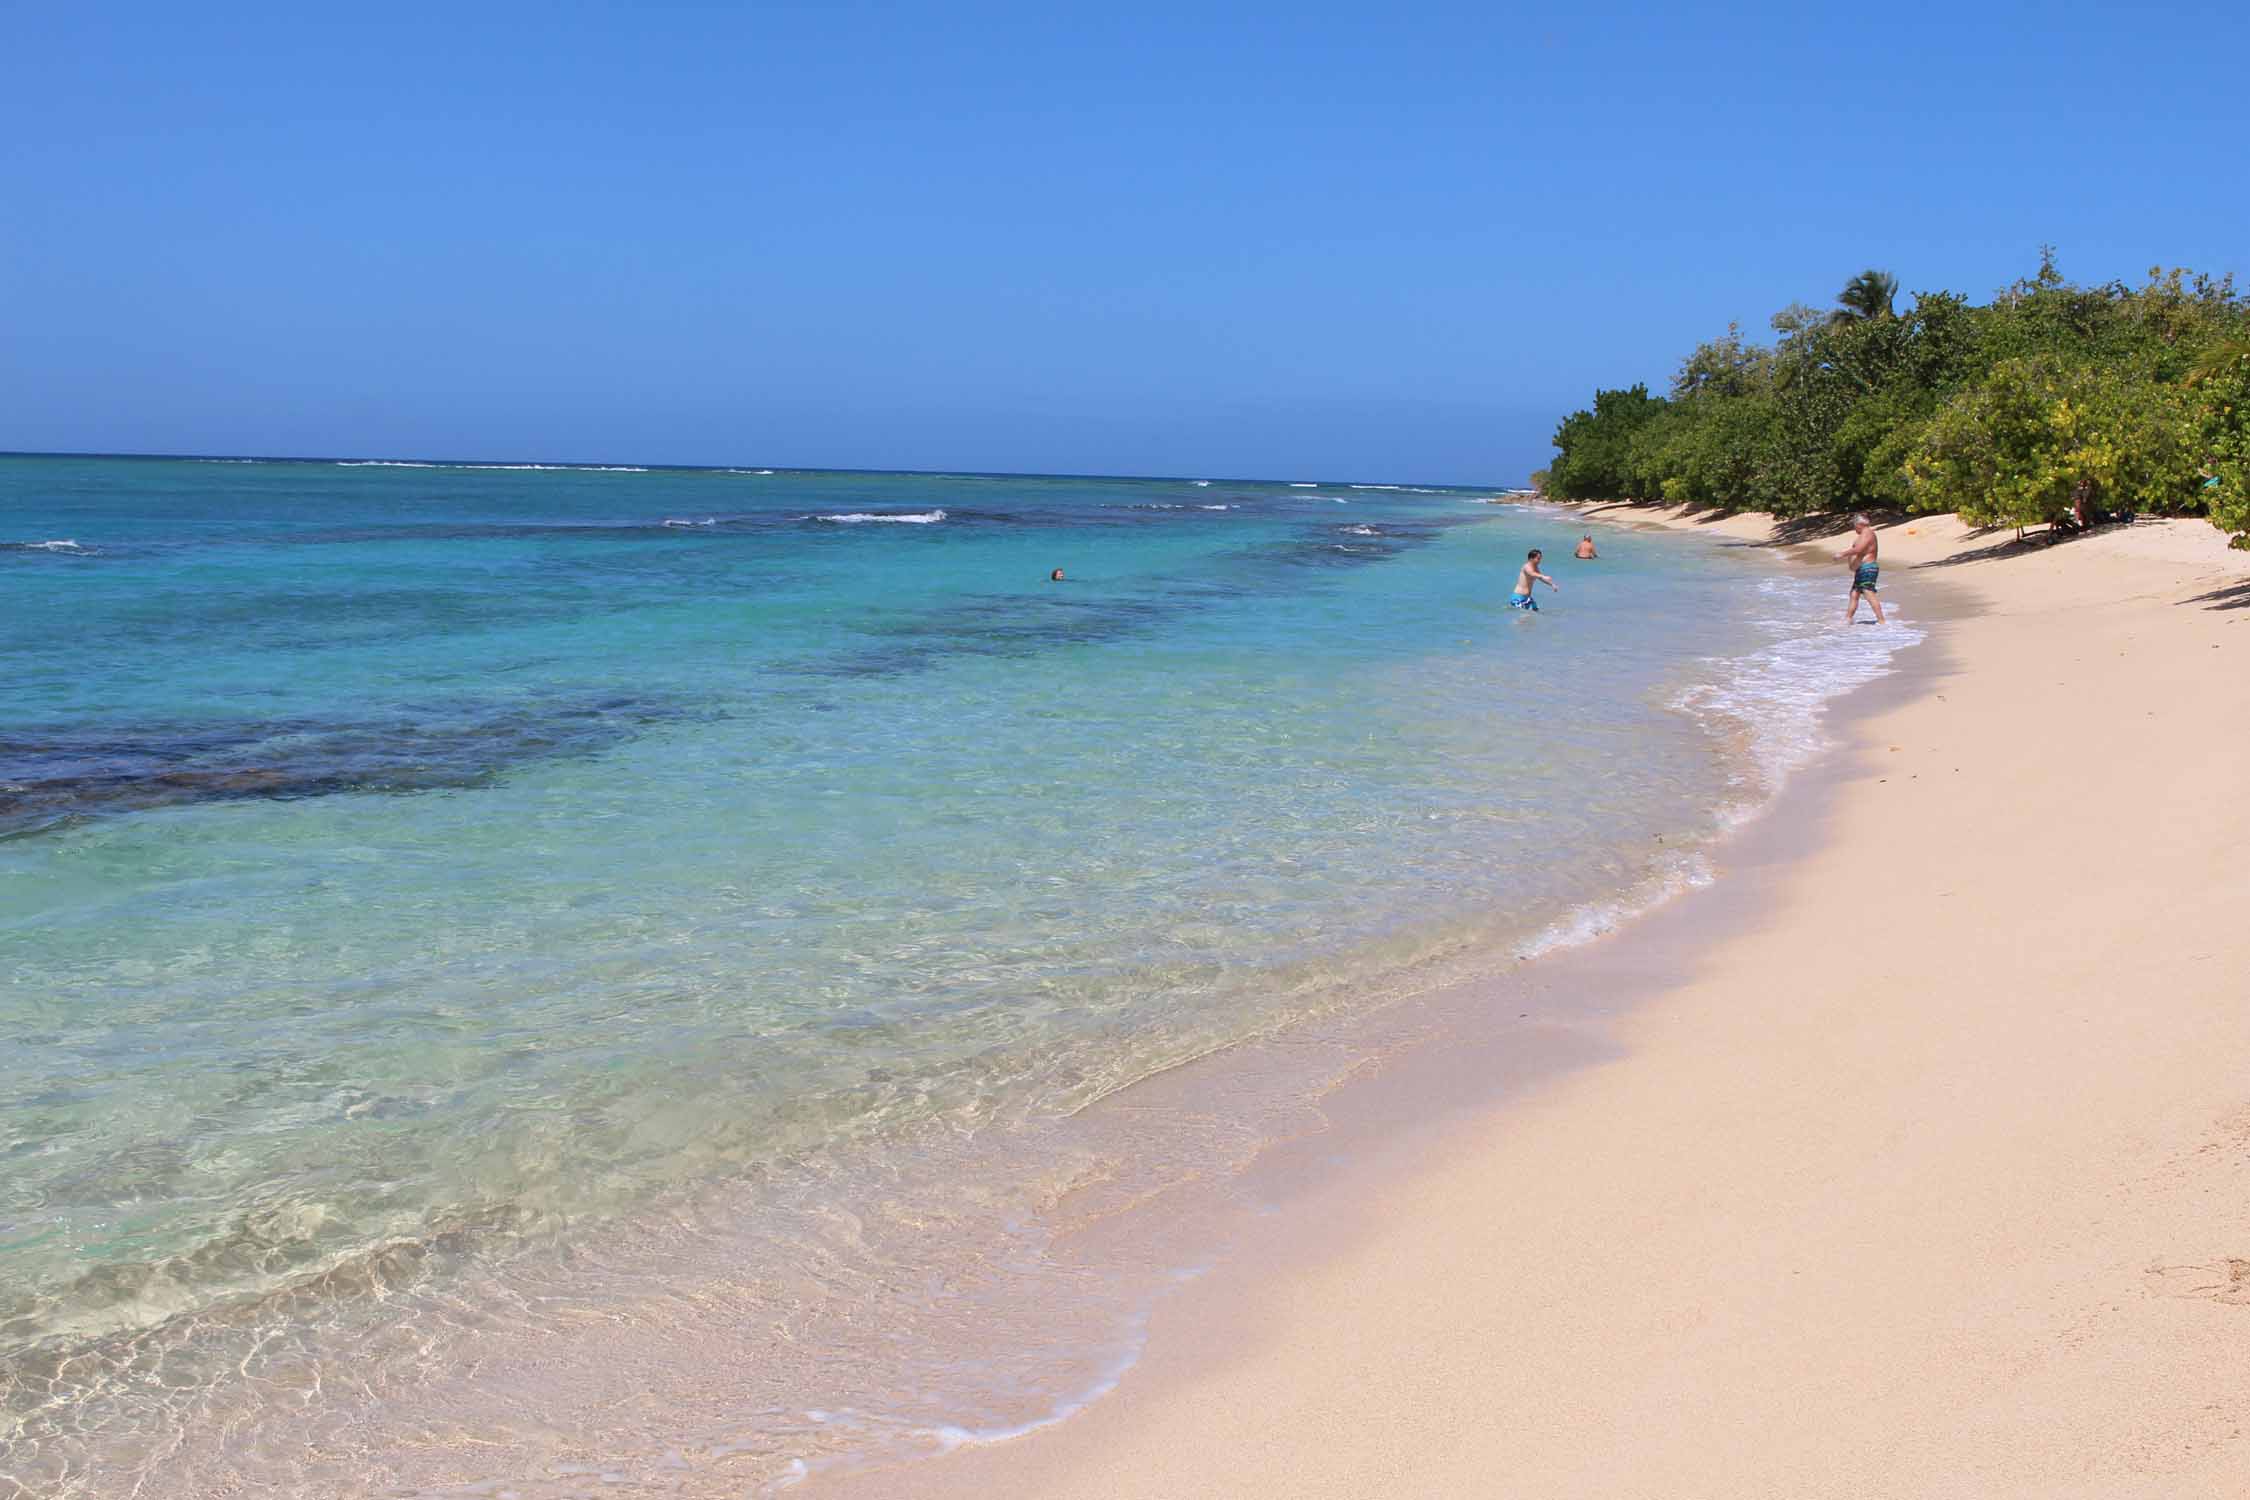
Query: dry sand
[[1927, 1176]]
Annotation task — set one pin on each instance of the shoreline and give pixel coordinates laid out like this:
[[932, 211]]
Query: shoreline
[[1020, 1330], [1725, 1206]]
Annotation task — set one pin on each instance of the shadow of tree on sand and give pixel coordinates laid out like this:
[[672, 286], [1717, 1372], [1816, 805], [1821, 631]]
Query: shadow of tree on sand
[[2018, 546], [2231, 596]]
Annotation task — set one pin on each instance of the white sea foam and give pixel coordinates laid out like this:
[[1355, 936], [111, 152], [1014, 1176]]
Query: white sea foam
[[1675, 876], [1361, 531], [860, 517], [950, 1439], [1778, 695], [413, 463], [1776, 698], [1201, 484], [1214, 507], [63, 544], [1303, 484], [1383, 487], [679, 521]]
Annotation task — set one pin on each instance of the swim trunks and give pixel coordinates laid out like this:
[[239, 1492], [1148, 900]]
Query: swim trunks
[[1863, 581], [1523, 601]]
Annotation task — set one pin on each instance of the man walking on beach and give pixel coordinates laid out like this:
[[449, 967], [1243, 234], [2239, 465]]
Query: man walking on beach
[[1521, 598], [1860, 557]]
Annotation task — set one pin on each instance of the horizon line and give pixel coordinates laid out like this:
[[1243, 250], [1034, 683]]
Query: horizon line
[[744, 468]]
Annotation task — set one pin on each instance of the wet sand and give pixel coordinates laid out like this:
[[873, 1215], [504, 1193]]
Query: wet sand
[[1913, 1158]]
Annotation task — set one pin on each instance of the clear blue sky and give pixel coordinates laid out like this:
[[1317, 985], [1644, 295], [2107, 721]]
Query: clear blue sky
[[1380, 242]]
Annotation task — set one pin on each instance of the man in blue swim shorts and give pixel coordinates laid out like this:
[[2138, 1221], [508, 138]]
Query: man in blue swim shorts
[[1860, 557], [1521, 598]]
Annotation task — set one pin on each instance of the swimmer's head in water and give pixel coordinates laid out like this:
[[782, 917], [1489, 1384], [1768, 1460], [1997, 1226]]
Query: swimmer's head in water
[[1055, 577]]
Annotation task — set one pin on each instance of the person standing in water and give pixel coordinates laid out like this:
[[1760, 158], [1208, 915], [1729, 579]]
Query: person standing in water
[[1521, 598], [1860, 557], [1586, 552]]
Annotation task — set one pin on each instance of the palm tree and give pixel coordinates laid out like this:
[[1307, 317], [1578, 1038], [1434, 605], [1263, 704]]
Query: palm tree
[[2218, 359], [1865, 298]]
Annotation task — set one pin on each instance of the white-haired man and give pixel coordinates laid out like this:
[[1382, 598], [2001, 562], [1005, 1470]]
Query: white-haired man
[[1860, 558]]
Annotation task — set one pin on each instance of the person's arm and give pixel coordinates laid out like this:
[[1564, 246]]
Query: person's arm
[[1543, 578]]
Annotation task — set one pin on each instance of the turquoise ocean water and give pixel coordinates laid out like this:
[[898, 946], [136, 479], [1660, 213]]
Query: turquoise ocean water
[[443, 905]]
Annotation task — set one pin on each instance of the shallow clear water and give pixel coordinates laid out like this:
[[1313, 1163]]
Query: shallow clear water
[[409, 870]]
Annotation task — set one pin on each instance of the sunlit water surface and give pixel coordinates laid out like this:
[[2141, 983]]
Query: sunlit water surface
[[471, 936]]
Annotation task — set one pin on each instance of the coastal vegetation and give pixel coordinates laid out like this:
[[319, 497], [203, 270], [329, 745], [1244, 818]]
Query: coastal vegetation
[[2054, 403]]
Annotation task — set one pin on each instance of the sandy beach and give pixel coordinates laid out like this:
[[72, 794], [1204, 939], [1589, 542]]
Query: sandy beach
[[1920, 1165]]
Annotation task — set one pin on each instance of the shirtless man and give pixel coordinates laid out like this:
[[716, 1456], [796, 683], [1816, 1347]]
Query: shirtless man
[[1521, 598], [1586, 552], [1860, 555]]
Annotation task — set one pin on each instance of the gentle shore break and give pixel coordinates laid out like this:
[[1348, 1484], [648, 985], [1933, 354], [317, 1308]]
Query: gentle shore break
[[1927, 1175]]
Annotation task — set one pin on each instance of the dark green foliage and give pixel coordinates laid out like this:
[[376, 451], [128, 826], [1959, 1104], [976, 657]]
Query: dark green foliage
[[1593, 446], [2052, 400], [2222, 384]]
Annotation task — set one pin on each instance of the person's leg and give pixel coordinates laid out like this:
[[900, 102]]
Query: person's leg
[[1851, 609], [1876, 600]]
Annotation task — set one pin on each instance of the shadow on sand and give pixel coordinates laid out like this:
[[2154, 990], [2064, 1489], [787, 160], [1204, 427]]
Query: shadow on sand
[[2229, 596]]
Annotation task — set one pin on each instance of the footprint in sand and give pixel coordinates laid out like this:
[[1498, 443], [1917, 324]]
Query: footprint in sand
[[2222, 1281]]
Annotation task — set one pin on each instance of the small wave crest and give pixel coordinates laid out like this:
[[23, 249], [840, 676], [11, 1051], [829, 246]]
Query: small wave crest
[[416, 463], [1583, 924], [62, 545], [865, 517]]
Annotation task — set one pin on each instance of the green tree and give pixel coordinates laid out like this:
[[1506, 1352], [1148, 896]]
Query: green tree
[[2035, 436], [2222, 392], [2052, 396], [1594, 445]]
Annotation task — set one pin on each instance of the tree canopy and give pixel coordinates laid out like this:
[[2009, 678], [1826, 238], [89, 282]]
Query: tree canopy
[[2051, 402]]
